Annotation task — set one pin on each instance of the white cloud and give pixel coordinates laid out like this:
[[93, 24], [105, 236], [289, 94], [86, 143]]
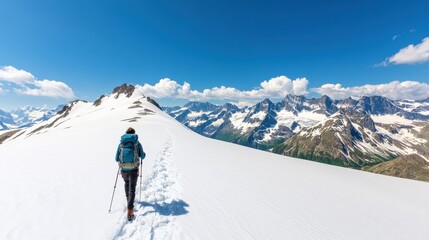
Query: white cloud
[[242, 104], [27, 84], [281, 86], [48, 88], [385, 63], [409, 55], [392, 90], [395, 37], [277, 87], [13, 75]]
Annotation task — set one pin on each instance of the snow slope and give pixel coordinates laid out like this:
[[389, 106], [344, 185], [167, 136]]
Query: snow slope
[[57, 183]]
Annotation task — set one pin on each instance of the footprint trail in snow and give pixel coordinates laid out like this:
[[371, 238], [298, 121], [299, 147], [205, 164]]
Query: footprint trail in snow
[[160, 203]]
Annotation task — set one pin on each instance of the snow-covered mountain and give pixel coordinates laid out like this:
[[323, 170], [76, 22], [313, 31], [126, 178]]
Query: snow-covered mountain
[[266, 124], [420, 106], [26, 116], [193, 187], [353, 139], [5, 119], [351, 132], [263, 125]]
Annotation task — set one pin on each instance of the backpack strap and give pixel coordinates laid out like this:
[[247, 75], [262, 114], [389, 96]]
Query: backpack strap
[[136, 152], [121, 153]]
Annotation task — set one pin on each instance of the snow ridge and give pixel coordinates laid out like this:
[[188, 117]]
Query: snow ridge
[[160, 204]]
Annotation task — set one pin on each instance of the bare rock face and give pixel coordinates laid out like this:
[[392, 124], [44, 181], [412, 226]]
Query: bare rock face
[[126, 89], [123, 89], [153, 102], [67, 108], [98, 101], [7, 135]]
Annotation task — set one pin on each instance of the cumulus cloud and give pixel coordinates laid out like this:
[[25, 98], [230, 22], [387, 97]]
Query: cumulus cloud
[[13, 75], [48, 88], [27, 84], [409, 55], [277, 87], [393, 90], [242, 104]]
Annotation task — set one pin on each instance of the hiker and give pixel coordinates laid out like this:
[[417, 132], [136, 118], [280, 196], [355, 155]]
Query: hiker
[[129, 152]]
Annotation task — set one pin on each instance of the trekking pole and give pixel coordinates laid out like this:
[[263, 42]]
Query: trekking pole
[[111, 201], [141, 163]]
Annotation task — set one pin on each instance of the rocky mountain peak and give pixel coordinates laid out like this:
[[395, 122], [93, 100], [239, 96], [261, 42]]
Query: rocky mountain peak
[[294, 98], [326, 105], [292, 103], [348, 102], [266, 101], [361, 118], [326, 101], [200, 106], [126, 89], [229, 107], [265, 106], [377, 105], [25, 109]]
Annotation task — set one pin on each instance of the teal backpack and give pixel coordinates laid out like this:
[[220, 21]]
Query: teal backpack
[[129, 152]]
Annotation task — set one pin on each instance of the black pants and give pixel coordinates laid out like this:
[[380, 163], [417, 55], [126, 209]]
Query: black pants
[[130, 178]]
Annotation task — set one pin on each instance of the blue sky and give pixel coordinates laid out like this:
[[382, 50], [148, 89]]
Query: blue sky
[[52, 52]]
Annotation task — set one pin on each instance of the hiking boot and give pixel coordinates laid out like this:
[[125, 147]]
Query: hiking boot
[[130, 214]]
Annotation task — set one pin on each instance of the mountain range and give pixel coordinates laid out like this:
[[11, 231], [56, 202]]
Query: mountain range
[[26, 116], [362, 133], [355, 133]]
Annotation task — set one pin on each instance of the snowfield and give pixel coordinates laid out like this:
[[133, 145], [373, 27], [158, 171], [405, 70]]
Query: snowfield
[[57, 183]]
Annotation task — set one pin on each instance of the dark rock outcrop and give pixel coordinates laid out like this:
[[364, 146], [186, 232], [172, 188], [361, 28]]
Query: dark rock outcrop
[[153, 102], [98, 101], [126, 89]]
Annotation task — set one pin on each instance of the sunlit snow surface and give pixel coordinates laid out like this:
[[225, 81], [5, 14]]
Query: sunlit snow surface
[[390, 119], [57, 183]]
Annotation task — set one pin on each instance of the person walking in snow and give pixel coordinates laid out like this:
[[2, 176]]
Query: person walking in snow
[[128, 154]]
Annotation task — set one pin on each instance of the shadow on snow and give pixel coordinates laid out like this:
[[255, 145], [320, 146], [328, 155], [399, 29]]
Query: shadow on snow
[[175, 208]]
